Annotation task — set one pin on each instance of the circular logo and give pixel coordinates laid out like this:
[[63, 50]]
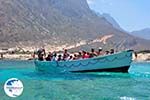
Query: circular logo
[[13, 87]]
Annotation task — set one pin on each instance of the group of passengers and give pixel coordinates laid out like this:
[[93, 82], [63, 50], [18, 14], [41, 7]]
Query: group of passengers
[[66, 56]]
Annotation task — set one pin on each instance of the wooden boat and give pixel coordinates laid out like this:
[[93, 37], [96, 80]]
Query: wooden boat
[[118, 62]]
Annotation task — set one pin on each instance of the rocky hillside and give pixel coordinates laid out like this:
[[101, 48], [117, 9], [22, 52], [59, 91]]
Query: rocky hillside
[[57, 22], [112, 21]]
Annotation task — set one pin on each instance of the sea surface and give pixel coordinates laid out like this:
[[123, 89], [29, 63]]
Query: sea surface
[[134, 85]]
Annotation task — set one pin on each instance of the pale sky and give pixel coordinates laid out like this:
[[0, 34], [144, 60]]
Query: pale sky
[[130, 14]]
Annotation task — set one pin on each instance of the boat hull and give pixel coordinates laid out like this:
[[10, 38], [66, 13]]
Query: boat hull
[[123, 69], [119, 62]]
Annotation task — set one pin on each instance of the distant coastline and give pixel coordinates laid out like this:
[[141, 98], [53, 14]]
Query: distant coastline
[[143, 55], [28, 54]]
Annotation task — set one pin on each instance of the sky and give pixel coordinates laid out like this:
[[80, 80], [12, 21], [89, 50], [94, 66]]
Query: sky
[[130, 14]]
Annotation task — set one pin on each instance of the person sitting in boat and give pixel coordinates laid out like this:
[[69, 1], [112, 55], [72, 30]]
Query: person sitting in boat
[[112, 51], [107, 52], [87, 55], [54, 58], [75, 57], [65, 55], [79, 56], [100, 51], [41, 57], [70, 58], [59, 58], [83, 54], [93, 53], [41, 51], [49, 57]]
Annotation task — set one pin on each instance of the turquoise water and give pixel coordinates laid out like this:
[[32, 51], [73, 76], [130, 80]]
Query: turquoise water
[[90, 86]]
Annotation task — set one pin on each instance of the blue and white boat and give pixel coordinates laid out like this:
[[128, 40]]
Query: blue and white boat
[[118, 62]]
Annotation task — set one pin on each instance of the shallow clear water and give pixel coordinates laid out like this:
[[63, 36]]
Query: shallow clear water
[[90, 86]]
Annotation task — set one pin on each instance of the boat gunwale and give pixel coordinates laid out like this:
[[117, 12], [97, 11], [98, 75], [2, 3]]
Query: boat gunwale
[[103, 56]]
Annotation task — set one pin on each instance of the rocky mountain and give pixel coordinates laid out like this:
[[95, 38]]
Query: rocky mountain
[[144, 33], [112, 21], [26, 23]]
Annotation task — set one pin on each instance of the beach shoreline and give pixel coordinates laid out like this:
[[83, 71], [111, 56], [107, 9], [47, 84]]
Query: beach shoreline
[[30, 56]]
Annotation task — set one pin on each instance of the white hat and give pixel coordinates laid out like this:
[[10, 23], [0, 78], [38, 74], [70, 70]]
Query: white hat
[[100, 48]]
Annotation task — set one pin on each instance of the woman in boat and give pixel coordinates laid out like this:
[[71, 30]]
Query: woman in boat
[[83, 54], [87, 55], [40, 57], [41, 52]]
